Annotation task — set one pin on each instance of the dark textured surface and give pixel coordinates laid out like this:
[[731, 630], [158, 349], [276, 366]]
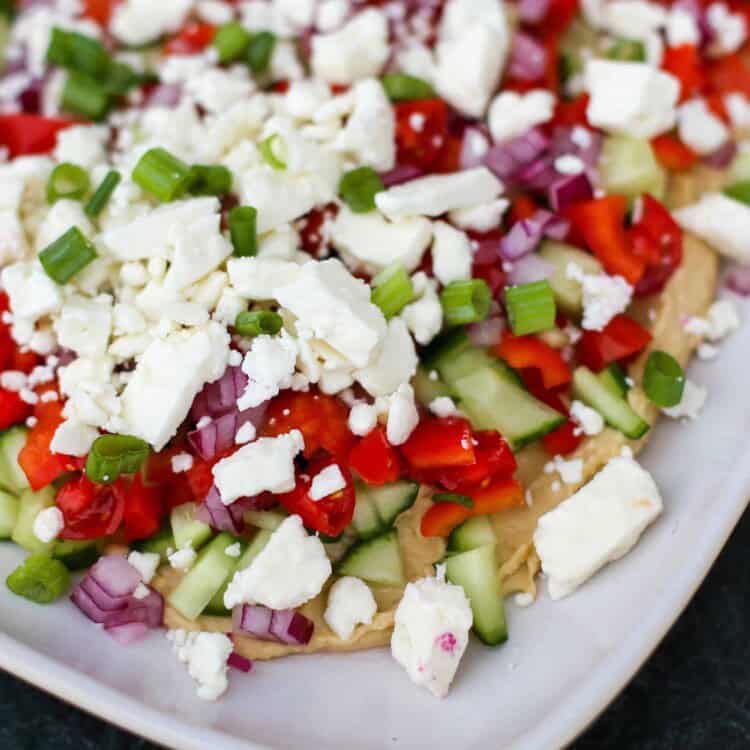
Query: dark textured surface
[[694, 693]]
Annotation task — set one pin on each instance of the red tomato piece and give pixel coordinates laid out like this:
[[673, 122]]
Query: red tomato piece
[[673, 154], [24, 134], [24, 361], [329, 515], [685, 64], [620, 339], [40, 465], [421, 131], [494, 458], [12, 409], [374, 459], [99, 10], [440, 444], [563, 440], [193, 38], [91, 511], [529, 351], [729, 74], [143, 510], [571, 112]]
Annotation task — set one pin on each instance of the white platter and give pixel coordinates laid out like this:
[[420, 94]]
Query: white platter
[[565, 661]]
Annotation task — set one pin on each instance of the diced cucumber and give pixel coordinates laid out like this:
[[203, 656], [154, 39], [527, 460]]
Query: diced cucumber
[[30, 505], [568, 293], [476, 532], [187, 531], [377, 560], [216, 605], [629, 167], [12, 477], [77, 555], [159, 543], [615, 380], [9, 509], [366, 520], [739, 171], [392, 499], [616, 411], [493, 403], [476, 572], [264, 519], [205, 578], [426, 388]]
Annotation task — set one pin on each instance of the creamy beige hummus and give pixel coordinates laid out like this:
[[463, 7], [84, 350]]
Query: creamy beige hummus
[[690, 292]]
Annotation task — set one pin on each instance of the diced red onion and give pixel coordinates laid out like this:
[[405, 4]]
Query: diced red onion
[[533, 11], [88, 606], [164, 95], [30, 99], [564, 143], [291, 627], [723, 156], [219, 434], [127, 634], [116, 576], [221, 396], [474, 147], [400, 174], [149, 611], [217, 515], [738, 280], [568, 190], [538, 175], [487, 332], [528, 58], [239, 663], [96, 604], [253, 619], [486, 252], [505, 159], [526, 234], [528, 269], [103, 600]]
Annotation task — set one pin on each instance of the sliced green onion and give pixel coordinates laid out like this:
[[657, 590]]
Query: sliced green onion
[[392, 291], [531, 307], [162, 174], [740, 191], [210, 180], [466, 302], [273, 151], [627, 50], [359, 187], [258, 323], [40, 579], [243, 231], [112, 455], [260, 50], [78, 52], [663, 379], [84, 96], [231, 42], [120, 78], [453, 497], [7, 9], [67, 255], [401, 87], [103, 193], [67, 181]]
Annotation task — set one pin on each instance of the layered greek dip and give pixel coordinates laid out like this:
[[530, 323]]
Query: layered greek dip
[[330, 324]]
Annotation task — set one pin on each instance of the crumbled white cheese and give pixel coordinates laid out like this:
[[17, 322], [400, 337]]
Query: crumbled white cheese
[[396, 362], [246, 434], [183, 559], [269, 366], [571, 472], [590, 421], [48, 524], [233, 550], [350, 603], [604, 296], [403, 416], [512, 114], [362, 419], [443, 406], [484, 217], [681, 28], [136, 22], [693, 399], [181, 462], [729, 29], [451, 254], [146, 563], [425, 316], [206, 656], [699, 128], [328, 482]]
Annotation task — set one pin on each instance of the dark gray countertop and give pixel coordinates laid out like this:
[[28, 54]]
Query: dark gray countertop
[[694, 693]]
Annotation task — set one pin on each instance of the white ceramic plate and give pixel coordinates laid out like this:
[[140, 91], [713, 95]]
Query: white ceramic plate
[[565, 661]]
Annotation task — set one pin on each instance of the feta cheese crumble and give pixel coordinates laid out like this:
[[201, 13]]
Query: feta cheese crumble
[[692, 402], [146, 563], [350, 603], [589, 420], [604, 296], [48, 524], [205, 655], [327, 482]]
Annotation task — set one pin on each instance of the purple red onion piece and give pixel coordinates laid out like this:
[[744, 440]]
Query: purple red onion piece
[[115, 575], [217, 515], [528, 269], [528, 58], [474, 147], [488, 332], [282, 625], [738, 280], [219, 397], [239, 663], [723, 156], [526, 234], [532, 11], [253, 619], [400, 174], [505, 159], [568, 190]]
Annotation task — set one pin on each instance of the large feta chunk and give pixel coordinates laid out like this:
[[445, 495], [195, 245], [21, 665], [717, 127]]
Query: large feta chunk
[[631, 98], [436, 194], [484, 217], [377, 243], [289, 571], [700, 128], [136, 22], [269, 366], [403, 416], [512, 114], [395, 364], [73, 438], [359, 49], [335, 306], [255, 278], [84, 325], [598, 524], [431, 632], [206, 656], [266, 465], [167, 378], [722, 222], [350, 603], [451, 254]]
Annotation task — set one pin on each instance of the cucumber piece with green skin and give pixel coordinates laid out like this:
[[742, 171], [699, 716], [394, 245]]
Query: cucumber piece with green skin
[[426, 388], [615, 380], [568, 292], [187, 531], [476, 572], [377, 560], [200, 584], [366, 521], [476, 532], [264, 519], [12, 477], [159, 543], [31, 503], [628, 166], [392, 499], [615, 409], [492, 403], [9, 509], [77, 555], [739, 170]]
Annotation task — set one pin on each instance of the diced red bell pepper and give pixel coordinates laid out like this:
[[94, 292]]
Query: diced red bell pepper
[[91, 511], [329, 515], [323, 421], [144, 510], [99, 10], [673, 154], [193, 38], [529, 351], [565, 439], [13, 409], [7, 347], [522, 207], [601, 222], [560, 14], [24, 134], [620, 339], [441, 518], [685, 64], [440, 444], [571, 112], [24, 361], [729, 74], [374, 459], [421, 145], [175, 487], [40, 465]]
